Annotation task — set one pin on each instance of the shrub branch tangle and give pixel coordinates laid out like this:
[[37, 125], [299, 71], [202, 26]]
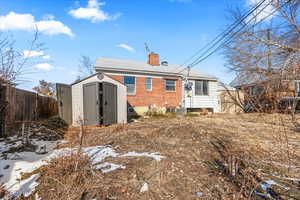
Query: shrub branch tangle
[[266, 58]]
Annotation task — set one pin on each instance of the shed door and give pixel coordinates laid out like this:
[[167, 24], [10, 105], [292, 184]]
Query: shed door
[[64, 99], [109, 103], [91, 104]]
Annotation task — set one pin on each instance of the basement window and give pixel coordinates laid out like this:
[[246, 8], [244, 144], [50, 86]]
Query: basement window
[[129, 81], [170, 85], [201, 88]]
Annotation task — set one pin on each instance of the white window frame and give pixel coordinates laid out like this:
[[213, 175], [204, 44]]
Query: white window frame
[[174, 85], [149, 78], [135, 79], [202, 88]]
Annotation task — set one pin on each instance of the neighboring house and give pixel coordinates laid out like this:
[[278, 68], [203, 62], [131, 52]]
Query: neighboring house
[[267, 88], [155, 84]]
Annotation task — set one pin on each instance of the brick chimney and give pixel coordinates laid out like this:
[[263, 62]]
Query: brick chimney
[[153, 59]]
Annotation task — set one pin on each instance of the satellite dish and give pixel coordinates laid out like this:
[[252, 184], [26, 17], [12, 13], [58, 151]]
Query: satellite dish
[[188, 86]]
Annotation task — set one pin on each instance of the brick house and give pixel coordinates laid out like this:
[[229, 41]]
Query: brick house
[[269, 90], [160, 85]]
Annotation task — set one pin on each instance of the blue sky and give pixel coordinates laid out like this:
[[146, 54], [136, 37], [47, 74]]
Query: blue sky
[[115, 28]]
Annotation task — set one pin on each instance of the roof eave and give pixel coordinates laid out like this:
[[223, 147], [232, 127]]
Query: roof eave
[[152, 72], [135, 71]]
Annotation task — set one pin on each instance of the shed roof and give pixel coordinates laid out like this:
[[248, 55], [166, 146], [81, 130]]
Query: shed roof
[[113, 64], [78, 81]]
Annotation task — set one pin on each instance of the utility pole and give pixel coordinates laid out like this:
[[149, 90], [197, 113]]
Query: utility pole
[[269, 51], [185, 84]]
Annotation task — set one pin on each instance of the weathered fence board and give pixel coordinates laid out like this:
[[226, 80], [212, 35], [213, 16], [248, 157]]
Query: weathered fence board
[[23, 106]]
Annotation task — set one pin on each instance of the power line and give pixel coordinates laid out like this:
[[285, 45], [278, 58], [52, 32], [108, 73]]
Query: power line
[[201, 58], [244, 25], [204, 56], [221, 36]]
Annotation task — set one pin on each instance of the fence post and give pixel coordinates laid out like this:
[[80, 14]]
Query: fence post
[[1, 112]]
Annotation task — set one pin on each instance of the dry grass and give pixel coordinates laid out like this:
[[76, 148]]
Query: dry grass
[[69, 177], [221, 156]]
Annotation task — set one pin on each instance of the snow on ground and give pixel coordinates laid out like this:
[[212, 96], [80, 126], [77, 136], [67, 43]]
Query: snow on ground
[[156, 156], [13, 165]]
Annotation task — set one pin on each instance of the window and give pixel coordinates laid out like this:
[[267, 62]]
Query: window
[[201, 88], [129, 81], [170, 85], [256, 90], [149, 83]]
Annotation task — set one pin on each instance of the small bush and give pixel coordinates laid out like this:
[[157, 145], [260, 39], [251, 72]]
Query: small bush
[[192, 114]]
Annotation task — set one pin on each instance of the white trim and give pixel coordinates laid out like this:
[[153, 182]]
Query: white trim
[[136, 75], [147, 73], [202, 88]]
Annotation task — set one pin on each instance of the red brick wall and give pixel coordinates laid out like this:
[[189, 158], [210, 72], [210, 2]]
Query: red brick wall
[[158, 96]]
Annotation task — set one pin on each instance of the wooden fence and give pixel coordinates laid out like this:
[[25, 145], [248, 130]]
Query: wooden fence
[[23, 106]]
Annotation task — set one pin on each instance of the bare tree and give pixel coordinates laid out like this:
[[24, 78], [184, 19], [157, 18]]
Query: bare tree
[[45, 88], [266, 56], [86, 67], [14, 65]]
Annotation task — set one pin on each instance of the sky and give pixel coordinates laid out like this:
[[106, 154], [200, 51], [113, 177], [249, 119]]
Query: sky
[[175, 29]]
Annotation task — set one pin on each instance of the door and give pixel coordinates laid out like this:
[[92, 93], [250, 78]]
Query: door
[[91, 104], [64, 99], [109, 104]]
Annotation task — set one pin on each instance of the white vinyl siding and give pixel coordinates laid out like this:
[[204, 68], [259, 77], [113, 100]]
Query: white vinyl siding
[[211, 100]]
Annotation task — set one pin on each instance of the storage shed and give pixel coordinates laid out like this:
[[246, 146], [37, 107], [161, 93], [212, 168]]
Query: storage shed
[[99, 100]]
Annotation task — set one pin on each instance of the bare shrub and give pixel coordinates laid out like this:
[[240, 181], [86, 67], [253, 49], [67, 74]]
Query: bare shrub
[[67, 177]]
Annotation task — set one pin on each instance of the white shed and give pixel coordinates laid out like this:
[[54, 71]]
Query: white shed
[[99, 100]]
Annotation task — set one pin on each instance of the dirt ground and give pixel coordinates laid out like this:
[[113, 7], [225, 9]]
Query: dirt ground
[[221, 156]]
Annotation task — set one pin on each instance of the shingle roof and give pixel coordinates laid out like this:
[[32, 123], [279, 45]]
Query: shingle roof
[[247, 78], [224, 86], [142, 67]]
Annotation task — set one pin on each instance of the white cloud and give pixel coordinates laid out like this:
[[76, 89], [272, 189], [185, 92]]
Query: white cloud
[[92, 12], [15, 21], [126, 47], [44, 66], [30, 54], [264, 11], [46, 57]]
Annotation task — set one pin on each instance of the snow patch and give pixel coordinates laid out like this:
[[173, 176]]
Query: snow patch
[[156, 156], [17, 163], [108, 167], [144, 188]]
